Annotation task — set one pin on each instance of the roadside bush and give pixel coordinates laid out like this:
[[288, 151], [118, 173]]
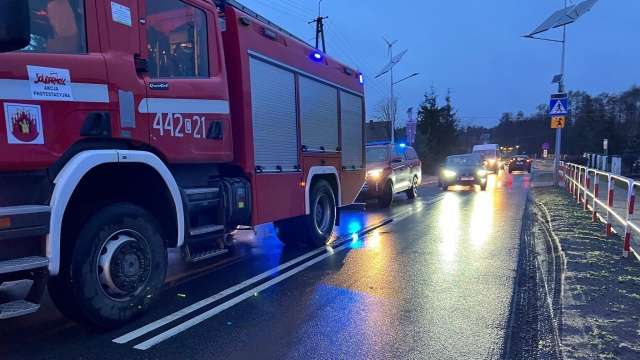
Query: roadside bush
[[579, 160]]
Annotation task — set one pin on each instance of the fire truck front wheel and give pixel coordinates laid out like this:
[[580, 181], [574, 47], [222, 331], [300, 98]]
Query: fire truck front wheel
[[116, 269]]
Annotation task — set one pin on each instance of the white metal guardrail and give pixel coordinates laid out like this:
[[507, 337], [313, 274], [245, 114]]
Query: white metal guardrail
[[617, 204]]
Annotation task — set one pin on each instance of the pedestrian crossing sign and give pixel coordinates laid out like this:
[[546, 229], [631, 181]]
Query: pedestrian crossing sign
[[558, 107], [557, 122]]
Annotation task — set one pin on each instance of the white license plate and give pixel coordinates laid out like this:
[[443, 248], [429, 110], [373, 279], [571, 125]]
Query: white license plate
[[466, 178]]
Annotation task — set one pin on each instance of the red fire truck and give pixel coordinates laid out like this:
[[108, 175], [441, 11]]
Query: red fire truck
[[135, 126]]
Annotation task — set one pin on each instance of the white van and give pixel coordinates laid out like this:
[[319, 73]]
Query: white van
[[491, 154]]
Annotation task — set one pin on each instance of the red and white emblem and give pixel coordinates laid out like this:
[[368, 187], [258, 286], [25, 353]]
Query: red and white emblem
[[24, 124]]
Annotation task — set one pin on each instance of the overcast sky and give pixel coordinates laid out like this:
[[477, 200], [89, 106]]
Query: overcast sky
[[472, 47]]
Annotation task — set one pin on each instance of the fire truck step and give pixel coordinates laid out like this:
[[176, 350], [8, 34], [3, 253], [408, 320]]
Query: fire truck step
[[199, 191], [26, 263], [17, 308], [207, 254], [205, 229]]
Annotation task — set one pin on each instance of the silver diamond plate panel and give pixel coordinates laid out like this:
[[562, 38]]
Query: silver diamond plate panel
[[26, 263], [17, 308]]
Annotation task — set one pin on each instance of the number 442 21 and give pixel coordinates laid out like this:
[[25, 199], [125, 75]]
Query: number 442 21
[[178, 125]]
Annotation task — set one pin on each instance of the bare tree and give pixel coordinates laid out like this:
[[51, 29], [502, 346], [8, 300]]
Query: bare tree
[[381, 109]]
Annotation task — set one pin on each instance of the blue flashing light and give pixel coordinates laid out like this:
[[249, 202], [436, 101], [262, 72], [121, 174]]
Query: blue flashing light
[[316, 56], [360, 78], [402, 145]]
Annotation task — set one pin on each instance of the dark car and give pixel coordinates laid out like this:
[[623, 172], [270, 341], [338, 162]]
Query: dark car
[[519, 163], [481, 158], [464, 170], [391, 168]]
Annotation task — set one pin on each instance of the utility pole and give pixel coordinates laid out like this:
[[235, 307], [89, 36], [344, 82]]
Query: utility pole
[[556, 158], [320, 29], [392, 109]]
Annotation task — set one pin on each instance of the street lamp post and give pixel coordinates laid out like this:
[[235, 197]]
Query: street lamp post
[[392, 105], [385, 69], [562, 17]]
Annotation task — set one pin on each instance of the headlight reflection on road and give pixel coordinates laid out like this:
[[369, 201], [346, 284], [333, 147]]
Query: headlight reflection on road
[[481, 219], [374, 240], [371, 241], [492, 182], [449, 228]]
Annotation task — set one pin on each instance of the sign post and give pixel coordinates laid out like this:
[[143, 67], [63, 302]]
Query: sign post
[[411, 127], [558, 110], [545, 149]]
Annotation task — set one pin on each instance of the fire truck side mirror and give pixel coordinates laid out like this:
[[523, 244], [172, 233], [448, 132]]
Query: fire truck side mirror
[[15, 25]]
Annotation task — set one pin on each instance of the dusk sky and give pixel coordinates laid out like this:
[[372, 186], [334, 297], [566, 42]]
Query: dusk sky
[[472, 47]]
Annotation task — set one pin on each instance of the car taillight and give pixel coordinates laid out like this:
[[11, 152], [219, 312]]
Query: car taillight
[[528, 160]]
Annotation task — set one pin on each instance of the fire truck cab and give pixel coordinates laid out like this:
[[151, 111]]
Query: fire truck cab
[[136, 126]]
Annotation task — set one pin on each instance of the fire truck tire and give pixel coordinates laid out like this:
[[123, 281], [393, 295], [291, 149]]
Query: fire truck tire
[[313, 229], [387, 195], [289, 231], [322, 214], [116, 269]]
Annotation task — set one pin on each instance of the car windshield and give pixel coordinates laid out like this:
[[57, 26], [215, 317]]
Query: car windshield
[[462, 160], [520, 158], [376, 154], [487, 153]]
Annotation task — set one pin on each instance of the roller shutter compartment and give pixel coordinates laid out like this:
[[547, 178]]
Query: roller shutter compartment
[[352, 123], [318, 116], [273, 103]]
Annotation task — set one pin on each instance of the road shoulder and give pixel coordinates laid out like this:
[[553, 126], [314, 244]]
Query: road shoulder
[[600, 289]]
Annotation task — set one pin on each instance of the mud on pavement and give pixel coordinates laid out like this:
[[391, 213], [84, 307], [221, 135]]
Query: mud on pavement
[[575, 297]]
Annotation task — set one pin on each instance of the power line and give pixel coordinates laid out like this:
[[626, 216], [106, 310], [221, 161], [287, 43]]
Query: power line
[[300, 7], [291, 13], [367, 69]]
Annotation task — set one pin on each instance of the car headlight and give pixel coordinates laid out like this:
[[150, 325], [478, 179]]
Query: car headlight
[[492, 161], [374, 174], [449, 173], [482, 172]]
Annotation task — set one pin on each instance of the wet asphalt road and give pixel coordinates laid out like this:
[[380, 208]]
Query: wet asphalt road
[[430, 278]]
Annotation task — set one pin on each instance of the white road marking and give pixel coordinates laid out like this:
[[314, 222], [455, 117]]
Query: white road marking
[[158, 323], [216, 310], [200, 318]]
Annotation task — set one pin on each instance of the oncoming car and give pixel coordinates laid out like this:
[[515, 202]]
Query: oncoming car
[[520, 163], [391, 168], [464, 170]]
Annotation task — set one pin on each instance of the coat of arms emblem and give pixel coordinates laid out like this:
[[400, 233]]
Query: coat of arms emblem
[[24, 124]]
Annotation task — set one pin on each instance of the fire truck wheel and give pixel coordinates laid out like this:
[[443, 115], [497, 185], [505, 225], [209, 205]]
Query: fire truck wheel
[[322, 214], [387, 195], [289, 231], [116, 270]]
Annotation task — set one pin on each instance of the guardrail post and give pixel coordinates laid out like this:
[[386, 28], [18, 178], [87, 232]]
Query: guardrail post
[[588, 185], [575, 178], [631, 199], [596, 187], [609, 205], [580, 184]]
